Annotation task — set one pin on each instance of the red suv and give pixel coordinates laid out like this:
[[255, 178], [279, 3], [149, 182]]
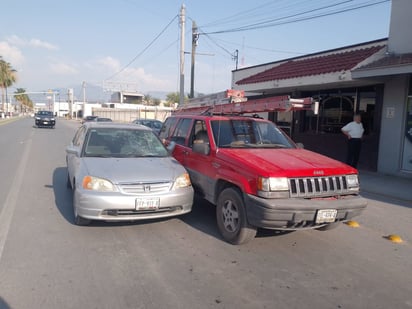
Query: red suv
[[259, 178]]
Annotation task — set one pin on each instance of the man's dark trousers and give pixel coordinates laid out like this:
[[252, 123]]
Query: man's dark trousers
[[354, 148]]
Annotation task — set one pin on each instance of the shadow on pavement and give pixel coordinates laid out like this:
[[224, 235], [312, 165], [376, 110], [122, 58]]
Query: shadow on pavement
[[3, 304], [62, 194], [203, 218], [386, 199]]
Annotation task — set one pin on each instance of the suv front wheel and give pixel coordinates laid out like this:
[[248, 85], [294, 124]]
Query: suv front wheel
[[231, 218]]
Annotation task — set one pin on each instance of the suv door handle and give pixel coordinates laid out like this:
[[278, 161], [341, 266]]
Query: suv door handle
[[215, 165]]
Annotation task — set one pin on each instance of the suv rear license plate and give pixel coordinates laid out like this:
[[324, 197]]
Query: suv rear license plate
[[326, 215], [147, 203]]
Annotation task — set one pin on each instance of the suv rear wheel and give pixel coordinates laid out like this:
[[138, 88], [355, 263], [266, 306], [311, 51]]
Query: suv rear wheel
[[231, 218]]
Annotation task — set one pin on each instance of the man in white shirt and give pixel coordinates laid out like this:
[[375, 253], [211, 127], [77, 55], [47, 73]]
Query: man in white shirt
[[354, 131]]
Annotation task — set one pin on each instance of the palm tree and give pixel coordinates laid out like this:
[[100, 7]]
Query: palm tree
[[21, 96], [7, 78]]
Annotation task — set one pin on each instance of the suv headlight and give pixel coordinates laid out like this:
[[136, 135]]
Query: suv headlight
[[352, 182], [97, 184], [182, 181], [273, 187], [273, 184]]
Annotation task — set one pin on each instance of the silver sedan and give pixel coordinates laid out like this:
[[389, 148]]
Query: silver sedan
[[123, 172]]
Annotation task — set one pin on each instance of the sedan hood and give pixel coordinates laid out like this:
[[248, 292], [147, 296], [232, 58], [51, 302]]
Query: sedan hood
[[121, 170]]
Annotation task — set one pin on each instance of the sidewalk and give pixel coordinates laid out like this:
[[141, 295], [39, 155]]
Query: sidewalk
[[384, 185]]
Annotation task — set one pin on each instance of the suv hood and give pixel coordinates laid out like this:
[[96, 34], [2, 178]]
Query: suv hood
[[285, 162], [133, 170]]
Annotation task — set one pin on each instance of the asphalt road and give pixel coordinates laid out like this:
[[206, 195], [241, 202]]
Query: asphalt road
[[48, 262]]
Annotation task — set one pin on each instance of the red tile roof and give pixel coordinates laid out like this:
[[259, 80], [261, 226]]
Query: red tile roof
[[388, 61], [313, 66]]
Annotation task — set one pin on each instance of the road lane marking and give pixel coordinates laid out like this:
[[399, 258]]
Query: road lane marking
[[7, 212]]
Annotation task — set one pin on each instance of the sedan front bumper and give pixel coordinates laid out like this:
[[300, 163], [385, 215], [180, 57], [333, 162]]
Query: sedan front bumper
[[115, 206]]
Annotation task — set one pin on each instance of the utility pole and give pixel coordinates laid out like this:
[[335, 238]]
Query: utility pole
[[236, 57], [70, 97], [182, 54], [84, 98], [195, 38]]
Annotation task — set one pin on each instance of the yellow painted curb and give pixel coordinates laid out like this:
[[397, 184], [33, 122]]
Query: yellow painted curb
[[394, 238], [352, 223]]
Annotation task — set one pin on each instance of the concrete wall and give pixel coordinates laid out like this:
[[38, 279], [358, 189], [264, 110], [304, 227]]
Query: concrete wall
[[393, 125], [128, 115], [400, 40]]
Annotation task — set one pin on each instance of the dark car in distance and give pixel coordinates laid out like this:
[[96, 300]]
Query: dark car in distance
[[89, 118], [153, 124], [45, 119]]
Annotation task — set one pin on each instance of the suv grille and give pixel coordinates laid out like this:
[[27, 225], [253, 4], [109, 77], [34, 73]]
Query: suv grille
[[145, 188], [318, 186]]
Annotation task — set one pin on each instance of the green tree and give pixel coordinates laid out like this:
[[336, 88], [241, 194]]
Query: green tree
[[7, 78], [23, 98], [148, 100], [174, 97]]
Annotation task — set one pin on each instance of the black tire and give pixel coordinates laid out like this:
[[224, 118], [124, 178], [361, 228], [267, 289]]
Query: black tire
[[77, 219], [330, 226], [232, 219], [81, 221], [68, 183]]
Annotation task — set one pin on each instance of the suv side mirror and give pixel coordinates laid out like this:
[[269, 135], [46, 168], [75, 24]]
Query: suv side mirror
[[203, 148], [300, 145]]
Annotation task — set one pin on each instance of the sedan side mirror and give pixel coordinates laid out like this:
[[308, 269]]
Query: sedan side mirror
[[73, 150], [171, 146]]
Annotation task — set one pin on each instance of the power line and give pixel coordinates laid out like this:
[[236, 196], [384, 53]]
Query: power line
[[273, 23], [144, 49]]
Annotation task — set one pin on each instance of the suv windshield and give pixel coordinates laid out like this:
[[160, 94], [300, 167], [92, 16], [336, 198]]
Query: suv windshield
[[123, 143], [248, 133], [45, 113]]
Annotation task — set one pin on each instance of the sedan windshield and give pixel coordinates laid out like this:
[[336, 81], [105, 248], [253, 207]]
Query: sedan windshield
[[248, 133], [122, 143]]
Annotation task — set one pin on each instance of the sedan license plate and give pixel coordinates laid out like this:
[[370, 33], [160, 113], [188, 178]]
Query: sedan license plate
[[326, 215], [147, 203]]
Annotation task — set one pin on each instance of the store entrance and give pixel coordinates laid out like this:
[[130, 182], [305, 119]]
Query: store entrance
[[322, 132]]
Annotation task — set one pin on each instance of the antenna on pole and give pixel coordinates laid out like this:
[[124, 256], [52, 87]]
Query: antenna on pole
[[182, 53]]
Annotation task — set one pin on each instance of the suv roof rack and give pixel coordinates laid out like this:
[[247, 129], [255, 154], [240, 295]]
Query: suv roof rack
[[231, 102]]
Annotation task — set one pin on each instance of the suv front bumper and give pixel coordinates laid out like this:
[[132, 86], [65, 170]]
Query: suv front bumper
[[295, 213], [45, 123]]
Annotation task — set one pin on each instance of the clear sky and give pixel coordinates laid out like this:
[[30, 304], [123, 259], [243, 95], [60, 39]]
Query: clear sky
[[56, 44]]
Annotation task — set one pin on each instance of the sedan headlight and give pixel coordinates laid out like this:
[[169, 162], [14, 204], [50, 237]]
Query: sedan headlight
[[97, 184], [37, 118], [182, 181], [352, 181]]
